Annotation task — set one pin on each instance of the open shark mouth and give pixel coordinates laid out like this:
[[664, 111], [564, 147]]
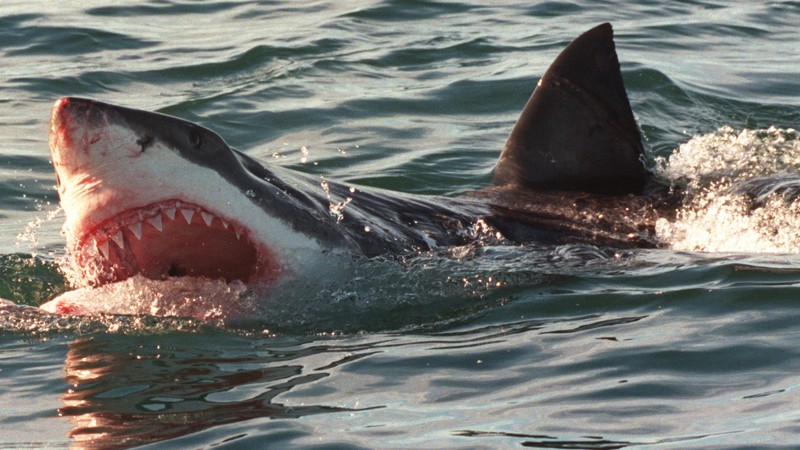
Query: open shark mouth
[[169, 239]]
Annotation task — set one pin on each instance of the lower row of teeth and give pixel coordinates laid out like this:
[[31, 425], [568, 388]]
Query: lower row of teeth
[[154, 219]]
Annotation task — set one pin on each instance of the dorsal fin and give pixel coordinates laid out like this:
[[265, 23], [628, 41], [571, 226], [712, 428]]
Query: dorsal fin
[[577, 131]]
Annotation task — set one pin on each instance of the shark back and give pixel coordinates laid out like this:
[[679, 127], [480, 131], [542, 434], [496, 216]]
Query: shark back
[[577, 131]]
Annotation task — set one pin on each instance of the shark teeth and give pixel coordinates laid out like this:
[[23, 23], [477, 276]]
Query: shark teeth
[[156, 222], [207, 218], [170, 212], [187, 214], [136, 229], [118, 239], [103, 249], [132, 224]]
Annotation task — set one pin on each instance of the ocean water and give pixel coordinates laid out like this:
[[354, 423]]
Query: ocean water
[[488, 346]]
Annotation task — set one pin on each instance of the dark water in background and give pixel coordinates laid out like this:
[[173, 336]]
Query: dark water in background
[[579, 347]]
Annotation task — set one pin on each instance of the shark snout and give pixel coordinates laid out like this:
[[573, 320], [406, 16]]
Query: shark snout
[[60, 137], [70, 128]]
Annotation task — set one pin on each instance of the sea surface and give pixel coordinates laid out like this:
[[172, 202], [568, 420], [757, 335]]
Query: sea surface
[[694, 345]]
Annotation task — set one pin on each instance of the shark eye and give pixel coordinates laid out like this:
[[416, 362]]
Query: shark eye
[[144, 142]]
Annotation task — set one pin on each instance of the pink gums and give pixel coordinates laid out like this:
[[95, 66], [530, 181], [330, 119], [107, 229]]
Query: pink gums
[[170, 239]]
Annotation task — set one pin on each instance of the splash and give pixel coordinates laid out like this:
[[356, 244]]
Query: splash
[[209, 300], [28, 237], [336, 208], [741, 189]]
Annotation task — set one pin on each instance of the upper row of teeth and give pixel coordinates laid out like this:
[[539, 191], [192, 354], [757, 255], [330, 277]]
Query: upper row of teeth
[[154, 219]]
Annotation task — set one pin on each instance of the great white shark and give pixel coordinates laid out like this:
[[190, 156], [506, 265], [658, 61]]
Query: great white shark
[[154, 195]]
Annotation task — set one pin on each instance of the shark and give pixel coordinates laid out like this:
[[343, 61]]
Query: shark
[[147, 194]]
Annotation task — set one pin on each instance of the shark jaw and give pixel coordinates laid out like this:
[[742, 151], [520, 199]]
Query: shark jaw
[[171, 239], [135, 204]]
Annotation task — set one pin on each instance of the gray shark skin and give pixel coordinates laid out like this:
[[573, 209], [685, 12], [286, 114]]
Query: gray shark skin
[[571, 171]]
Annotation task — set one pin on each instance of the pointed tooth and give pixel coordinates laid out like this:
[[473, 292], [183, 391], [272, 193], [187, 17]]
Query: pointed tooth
[[207, 218], [224, 224], [103, 249], [238, 234], [170, 212], [118, 239], [136, 229], [156, 222], [187, 214]]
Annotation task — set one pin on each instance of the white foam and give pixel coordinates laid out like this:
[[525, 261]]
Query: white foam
[[201, 298], [718, 218]]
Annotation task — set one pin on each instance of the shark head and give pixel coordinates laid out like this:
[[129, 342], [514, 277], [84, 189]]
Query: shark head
[[154, 195]]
